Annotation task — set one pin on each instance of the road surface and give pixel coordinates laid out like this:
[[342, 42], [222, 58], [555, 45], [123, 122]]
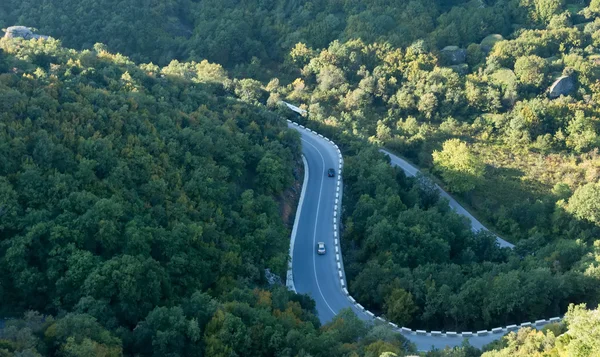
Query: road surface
[[317, 275], [314, 274]]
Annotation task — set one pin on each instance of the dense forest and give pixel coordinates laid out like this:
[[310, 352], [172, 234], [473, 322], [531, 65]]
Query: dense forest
[[254, 32], [139, 207], [140, 203]]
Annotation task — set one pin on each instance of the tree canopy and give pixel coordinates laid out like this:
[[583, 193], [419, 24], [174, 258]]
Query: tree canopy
[[142, 194], [139, 210], [579, 337], [458, 166]]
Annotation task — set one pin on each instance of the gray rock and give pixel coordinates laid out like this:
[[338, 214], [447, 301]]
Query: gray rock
[[489, 41], [22, 32], [562, 86], [272, 279], [454, 54]]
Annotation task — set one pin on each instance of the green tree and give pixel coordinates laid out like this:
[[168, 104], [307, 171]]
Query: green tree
[[271, 174], [346, 327], [427, 105], [582, 338], [581, 133], [330, 77], [531, 70], [399, 307], [3, 64], [133, 284], [474, 55], [545, 9], [166, 331], [526, 342], [249, 90], [460, 169], [301, 54], [226, 335], [78, 334], [585, 203]]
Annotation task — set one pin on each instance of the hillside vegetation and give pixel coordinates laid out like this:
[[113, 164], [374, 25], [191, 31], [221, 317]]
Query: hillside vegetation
[[579, 336], [139, 202], [524, 162], [255, 32], [138, 206]]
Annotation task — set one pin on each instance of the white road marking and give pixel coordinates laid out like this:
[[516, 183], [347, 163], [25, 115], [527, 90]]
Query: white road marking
[[290, 273]]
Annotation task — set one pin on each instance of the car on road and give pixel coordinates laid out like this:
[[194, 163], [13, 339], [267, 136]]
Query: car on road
[[331, 172], [321, 248]]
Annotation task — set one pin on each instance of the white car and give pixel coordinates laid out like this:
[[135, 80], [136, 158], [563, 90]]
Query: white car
[[321, 248]]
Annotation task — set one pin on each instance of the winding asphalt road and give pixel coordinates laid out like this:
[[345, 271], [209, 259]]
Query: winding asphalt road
[[314, 274], [317, 275]]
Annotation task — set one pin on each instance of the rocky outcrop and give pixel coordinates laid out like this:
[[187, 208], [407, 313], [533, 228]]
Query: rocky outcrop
[[562, 86], [454, 54], [22, 32]]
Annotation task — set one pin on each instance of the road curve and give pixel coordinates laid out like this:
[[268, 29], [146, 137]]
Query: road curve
[[313, 274], [410, 170], [318, 275]]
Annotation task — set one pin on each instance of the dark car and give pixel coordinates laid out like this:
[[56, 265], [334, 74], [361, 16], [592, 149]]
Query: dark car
[[331, 172]]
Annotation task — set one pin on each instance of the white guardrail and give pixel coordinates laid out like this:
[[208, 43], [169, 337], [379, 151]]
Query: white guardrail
[[381, 319]]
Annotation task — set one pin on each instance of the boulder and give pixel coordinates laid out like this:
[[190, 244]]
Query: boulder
[[272, 279], [489, 41], [22, 32], [562, 86], [454, 54]]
